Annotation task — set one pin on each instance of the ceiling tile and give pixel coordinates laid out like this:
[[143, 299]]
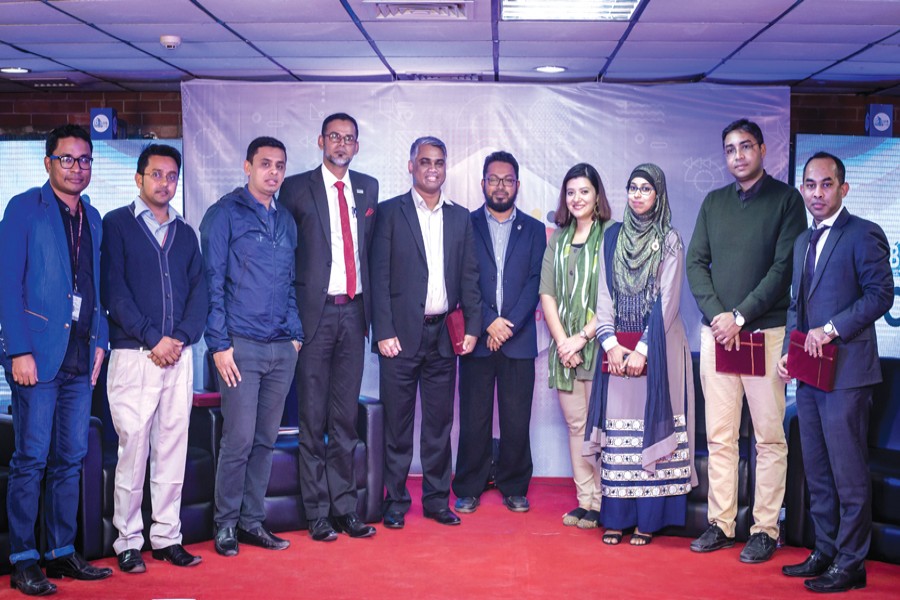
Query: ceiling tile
[[71, 32], [703, 11], [100, 12], [560, 31], [557, 49], [436, 49], [428, 31], [289, 32], [446, 65], [275, 11], [845, 12], [114, 65], [658, 68], [701, 32], [864, 70], [829, 34], [774, 70], [189, 32], [796, 50], [68, 51], [31, 13], [200, 50], [316, 48], [695, 49], [344, 64]]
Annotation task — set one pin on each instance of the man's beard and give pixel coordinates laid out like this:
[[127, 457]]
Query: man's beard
[[339, 162], [500, 206]]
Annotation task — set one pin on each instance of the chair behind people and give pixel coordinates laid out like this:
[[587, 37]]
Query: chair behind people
[[697, 504], [7, 446]]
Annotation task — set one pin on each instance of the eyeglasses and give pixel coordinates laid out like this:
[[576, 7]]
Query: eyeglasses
[[67, 162], [335, 137], [743, 148], [506, 181], [159, 176], [645, 190]]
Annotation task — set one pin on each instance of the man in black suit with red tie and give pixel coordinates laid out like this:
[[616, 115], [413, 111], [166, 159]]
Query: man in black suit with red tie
[[423, 259], [842, 284], [335, 213]]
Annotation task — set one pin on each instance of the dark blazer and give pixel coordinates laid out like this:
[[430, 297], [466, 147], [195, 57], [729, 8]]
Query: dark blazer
[[304, 196], [853, 287], [521, 280], [401, 274]]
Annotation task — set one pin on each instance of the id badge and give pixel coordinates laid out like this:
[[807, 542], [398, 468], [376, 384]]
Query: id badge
[[76, 306]]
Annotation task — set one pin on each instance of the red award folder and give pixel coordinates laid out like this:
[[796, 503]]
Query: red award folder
[[749, 360], [456, 327], [627, 339], [817, 372]]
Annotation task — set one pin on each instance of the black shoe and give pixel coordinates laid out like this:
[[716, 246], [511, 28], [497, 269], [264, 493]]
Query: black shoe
[[75, 567], [321, 530], [394, 520], [815, 564], [177, 555], [759, 548], [466, 504], [836, 579], [130, 561], [517, 503], [30, 581], [712, 539], [226, 541], [353, 526], [263, 538], [444, 516]]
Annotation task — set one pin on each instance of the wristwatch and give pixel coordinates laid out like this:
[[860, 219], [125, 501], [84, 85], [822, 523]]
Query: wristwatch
[[829, 329], [739, 319], [583, 335]]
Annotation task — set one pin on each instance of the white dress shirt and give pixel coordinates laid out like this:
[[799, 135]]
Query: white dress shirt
[[337, 281]]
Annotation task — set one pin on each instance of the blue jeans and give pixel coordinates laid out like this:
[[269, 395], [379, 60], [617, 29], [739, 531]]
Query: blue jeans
[[252, 415], [50, 420]]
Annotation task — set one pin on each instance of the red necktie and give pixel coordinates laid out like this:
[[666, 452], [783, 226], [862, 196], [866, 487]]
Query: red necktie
[[349, 262]]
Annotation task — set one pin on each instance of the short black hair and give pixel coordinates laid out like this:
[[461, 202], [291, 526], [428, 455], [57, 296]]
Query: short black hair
[[340, 117], [264, 142], [157, 150], [838, 163], [744, 125], [67, 131], [500, 156]]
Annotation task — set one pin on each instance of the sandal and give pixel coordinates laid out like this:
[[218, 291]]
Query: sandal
[[612, 538], [590, 520], [573, 516], [641, 539]]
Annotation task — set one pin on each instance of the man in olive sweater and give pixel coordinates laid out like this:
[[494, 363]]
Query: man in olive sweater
[[739, 270]]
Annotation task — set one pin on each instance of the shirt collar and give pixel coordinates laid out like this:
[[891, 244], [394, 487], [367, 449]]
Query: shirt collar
[[329, 179], [256, 204], [830, 220], [512, 216], [753, 190], [140, 207], [420, 201]]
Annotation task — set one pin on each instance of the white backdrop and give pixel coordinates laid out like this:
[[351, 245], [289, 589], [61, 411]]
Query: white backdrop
[[547, 128]]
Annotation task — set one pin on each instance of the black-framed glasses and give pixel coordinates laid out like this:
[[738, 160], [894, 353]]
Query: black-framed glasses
[[67, 162], [506, 181], [335, 137], [743, 148], [160, 176], [645, 190]]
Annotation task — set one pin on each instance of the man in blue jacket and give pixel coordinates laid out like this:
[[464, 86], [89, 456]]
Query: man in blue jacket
[[152, 283], [254, 332], [509, 246], [53, 336]]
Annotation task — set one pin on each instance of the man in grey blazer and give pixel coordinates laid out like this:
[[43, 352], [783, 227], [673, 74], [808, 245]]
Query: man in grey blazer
[[334, 208], [423, 260], [842, 284]]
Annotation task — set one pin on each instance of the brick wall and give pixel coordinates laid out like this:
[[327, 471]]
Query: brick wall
[[33, 113], [160, 112]]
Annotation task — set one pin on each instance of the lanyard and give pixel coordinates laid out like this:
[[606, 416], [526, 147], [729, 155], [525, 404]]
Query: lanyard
[[76, 250]]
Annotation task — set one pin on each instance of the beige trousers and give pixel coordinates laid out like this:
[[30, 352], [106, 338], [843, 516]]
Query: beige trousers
[[574, 406], [724, 399], [151, 409]]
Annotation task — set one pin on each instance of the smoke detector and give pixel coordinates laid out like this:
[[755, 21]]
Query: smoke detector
[[170, 42]]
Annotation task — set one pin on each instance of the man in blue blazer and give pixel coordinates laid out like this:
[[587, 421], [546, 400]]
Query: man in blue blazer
[[53, 335], [423, 265], [334, 209], [509, 245], [842, 284]]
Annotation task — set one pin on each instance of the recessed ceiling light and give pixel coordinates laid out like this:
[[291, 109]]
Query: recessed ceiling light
[[550, 69], [568, 10], [15, 70]]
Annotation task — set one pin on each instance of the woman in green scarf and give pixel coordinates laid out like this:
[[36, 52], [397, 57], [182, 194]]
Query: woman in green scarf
[[569, 279]]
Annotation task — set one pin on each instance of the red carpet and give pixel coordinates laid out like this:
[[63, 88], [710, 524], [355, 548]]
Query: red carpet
[[493, 554]]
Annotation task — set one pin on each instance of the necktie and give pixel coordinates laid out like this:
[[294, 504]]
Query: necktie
[[810, 268], [349, 262]]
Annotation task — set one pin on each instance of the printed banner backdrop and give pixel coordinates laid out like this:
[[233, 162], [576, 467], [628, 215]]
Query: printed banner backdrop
[[873, 169], [547, 128]]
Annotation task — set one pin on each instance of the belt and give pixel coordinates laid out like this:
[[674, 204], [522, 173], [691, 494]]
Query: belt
[[432, 319], [341, 299]]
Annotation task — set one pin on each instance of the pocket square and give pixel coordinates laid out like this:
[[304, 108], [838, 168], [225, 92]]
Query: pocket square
[[370, 211]]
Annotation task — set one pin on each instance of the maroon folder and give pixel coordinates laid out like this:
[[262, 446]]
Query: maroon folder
[[206, 399], [456, 327], [817, 372], [749, 360], [627, 339]]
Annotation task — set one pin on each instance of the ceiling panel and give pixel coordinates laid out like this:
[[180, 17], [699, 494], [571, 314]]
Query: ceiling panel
[[703, 50], [71, 50], [632, 69], [114, 65], [828, 34], [796, 50], [557, 49], [698, 11], [189, 32], [275, 11], [288, 31], [560, 31], [316, 48], [71, 32], [31, 13], [199, 50], [343, 64], [865, 70], [428, 31], [436, 49], [100, 12], [845, 12], [693, 32], [442, 66], [779, 70]]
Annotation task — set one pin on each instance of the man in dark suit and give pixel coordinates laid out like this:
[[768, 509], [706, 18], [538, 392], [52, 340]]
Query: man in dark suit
[[423, 259], [335, 213], [842, 284], [510, 246]]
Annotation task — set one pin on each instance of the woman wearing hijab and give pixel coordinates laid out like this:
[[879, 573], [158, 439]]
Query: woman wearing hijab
[[642, 409], [569, 281]]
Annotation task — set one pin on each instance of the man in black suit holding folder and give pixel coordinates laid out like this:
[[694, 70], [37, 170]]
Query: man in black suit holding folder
[[423, 260], [842, 284]]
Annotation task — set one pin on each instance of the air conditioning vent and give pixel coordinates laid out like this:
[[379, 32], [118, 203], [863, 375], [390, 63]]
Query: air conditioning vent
[[419, 10]]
